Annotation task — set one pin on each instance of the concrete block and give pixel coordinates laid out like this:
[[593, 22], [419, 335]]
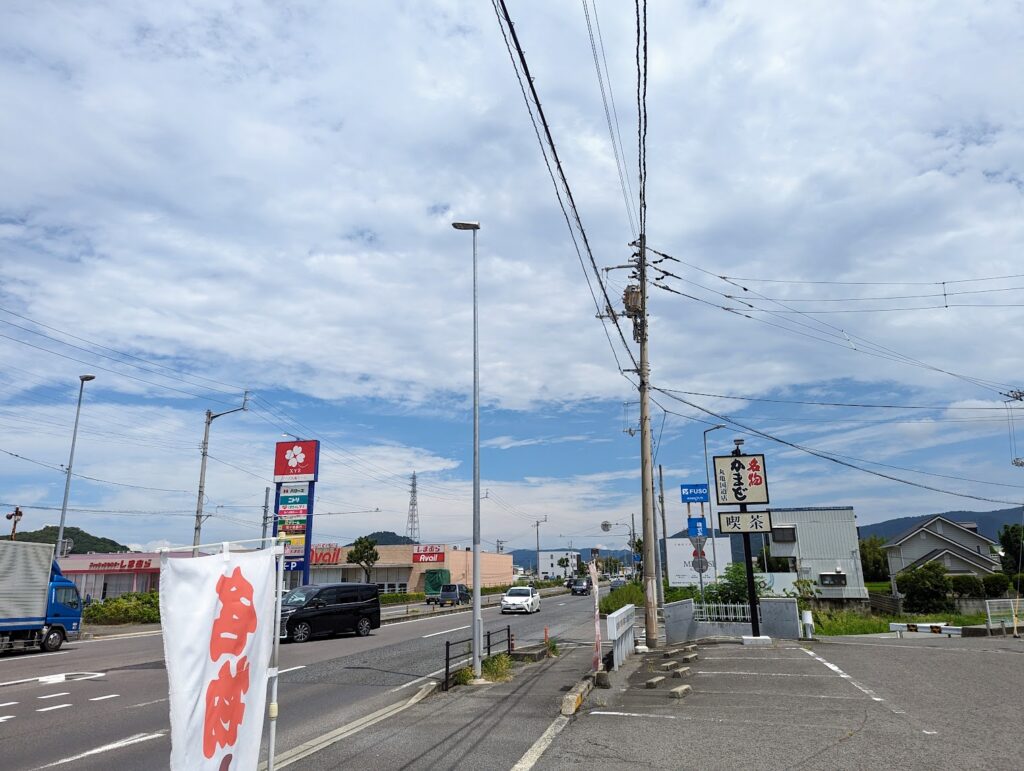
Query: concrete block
[[751, 640], [601, 680], [654, 682], [669, 665], [691, 648], [681, 672], [680, 692], [670, 653], [689, 658], [573, 700]]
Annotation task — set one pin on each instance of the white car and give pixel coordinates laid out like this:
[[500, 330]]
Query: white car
[[521, 599]]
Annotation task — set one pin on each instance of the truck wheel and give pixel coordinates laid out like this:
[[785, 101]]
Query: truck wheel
[[52, 641]]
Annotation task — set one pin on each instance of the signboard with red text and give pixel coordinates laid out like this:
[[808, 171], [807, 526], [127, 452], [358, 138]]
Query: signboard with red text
[[296, 461], [218, 617], [428, 552]]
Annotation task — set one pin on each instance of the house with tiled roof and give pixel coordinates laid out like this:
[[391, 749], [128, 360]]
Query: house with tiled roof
[[956, 545]]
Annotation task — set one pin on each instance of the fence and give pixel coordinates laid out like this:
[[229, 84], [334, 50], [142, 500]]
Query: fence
[[721, 612], [1010, 611], [495, 641], [620, 626]]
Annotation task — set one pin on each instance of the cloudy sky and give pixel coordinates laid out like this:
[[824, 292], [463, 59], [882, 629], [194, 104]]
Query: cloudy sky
[[204, 198]]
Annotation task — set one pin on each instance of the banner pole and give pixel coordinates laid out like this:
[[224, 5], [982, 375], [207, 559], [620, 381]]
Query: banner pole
[[272, 708]]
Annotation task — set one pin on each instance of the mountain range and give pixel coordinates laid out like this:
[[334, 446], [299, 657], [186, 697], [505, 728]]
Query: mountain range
[[989, 522]]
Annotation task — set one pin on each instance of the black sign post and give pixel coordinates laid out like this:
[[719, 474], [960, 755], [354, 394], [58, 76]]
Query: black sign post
[[755, 622]]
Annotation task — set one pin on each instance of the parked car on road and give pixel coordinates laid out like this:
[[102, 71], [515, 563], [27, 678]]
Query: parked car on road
[[453, 594], [569, 582], [618, 583], [521, 599], [309, 611], [581, 586]]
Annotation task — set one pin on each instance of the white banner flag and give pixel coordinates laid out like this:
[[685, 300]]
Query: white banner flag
[[218, 616]]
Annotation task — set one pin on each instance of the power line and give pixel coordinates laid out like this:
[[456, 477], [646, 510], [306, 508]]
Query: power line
[[62, 470], [873, 283], [824, 404]]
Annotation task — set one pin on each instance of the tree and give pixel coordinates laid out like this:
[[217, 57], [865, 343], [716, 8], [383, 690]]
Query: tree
[[926, 588], [731, 586], [873, 559], [563, 563], [612, 565], [996, 585], [967, 586], [364, 554], [1011, 538]]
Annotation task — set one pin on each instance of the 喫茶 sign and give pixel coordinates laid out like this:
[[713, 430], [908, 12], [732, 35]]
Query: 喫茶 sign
[[740, 479], [745, 522]]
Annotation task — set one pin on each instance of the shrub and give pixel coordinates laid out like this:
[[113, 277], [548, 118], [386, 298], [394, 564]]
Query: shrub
[[131, 608], [676, 593], [996, 584], [626, 595], [552, 646], [396, 598], [925, 588], [497, 669], [967, 586], [463, 676], [731, 586]]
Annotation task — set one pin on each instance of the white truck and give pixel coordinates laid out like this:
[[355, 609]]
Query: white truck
[[39, 607]]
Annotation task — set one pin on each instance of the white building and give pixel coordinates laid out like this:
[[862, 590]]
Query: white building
[[549, 567], [820, 544]]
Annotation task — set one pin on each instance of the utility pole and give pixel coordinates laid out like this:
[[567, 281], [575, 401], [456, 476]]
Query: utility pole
[[210, 417], [664, 526], [657, 551], [500, 545], [632, 543], [15, 517], [537, 525], [266, 516]]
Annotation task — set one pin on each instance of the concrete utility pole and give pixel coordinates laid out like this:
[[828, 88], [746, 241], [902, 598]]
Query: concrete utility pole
[[658, 533], [664, 527], [82, 380], [537, 525], [210, 417], [266, 516]]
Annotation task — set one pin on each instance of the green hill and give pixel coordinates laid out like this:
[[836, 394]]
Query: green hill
[[83, 541], [388, 538]]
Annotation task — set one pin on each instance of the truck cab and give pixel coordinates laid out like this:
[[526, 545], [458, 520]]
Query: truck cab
[[63, 612]]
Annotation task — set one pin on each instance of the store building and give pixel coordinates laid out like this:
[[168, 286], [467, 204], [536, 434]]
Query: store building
[[549, 567], [104, 576]]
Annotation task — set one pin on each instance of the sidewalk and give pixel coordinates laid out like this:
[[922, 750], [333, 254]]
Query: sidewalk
[[478, 726], [92, 631]]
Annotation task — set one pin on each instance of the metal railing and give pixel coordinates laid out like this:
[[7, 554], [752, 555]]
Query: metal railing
[[721, 612], [455, 651], [1005, 611], [620, 632]]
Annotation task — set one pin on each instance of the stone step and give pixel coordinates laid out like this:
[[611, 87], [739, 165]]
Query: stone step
[[689, 658], [654, 682], [691, 648], [669, 665], [671, 652], [681, 672], [680, 692]]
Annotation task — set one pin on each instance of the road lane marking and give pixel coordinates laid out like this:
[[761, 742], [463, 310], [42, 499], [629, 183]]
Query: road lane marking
[[630, 714], [126, 636], [55, 706], [54, 695], [34, 657], [290, 669], [136, 739], [102, 698], [842, 674], [451, 667], [8, 704], [147, 703], [446, 631], [4, 718], [766, 674], [533, 754]]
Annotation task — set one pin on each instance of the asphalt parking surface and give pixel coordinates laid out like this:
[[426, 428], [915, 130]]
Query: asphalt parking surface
[[838, 703]]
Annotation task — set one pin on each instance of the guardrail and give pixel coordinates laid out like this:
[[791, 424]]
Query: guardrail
[[620, 625], [1009, 611], [501, 640], [936, 628]]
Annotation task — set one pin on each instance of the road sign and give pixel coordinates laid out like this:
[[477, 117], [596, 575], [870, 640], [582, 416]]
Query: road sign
[[694, 493], [745, 522], [698, 541], [740, 479], [696, 527], [701, 565]]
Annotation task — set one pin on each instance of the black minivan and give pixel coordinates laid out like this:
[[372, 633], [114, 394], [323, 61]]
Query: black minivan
[[314, 610]]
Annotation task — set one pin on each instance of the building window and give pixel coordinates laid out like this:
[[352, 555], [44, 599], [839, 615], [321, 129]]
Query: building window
[[784, 534]]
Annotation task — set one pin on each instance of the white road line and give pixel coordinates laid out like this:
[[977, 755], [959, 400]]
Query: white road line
[[446, 631], [291, 669], [33, 657], [8, 704], [147, 703], [103, 698], [136, 739], [842, 674], [766, 674], [533, 754], [54, 695], [4, 718], [561, 604], [930, 733], [126, 636], [55, 706], [452, 667], [630, 714]]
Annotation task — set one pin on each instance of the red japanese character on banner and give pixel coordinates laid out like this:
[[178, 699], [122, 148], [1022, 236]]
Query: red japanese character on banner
[[224, 707], [754, 479], [237, 618]]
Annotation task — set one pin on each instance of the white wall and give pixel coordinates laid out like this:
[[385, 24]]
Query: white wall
[[679, 553]]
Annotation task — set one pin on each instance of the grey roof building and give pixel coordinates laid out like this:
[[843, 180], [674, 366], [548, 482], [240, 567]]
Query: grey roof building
[[956, 545]]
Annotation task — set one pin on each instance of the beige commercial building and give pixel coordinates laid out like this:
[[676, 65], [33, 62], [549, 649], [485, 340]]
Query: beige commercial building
[[402, 568]]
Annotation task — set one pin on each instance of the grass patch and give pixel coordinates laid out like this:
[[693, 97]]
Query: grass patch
[[630, 594], [842, 622], [497, 669], [879, 587], [552, 646], [463, 676]]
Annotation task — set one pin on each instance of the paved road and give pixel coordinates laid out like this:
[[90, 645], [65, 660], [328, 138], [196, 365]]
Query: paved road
[[120, 693]]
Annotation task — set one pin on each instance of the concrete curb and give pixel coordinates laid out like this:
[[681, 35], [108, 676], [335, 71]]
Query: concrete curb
[[573, 700]]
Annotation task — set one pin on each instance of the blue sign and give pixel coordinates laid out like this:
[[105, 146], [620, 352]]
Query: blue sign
[[696, 527], [637, 558], [694, 493]]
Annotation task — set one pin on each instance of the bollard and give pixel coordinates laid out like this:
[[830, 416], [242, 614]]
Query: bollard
[[808, 622], [545, 637]]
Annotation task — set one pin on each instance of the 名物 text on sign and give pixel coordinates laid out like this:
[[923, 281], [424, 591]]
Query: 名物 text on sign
[[740, 479], [745, 522]]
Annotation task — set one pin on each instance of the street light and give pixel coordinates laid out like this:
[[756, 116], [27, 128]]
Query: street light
[[478, 623], [82, 380], [210, 417], [606, 526], [707, 479]]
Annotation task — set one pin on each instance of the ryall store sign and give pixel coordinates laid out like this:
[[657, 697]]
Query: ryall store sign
[[429, 552]]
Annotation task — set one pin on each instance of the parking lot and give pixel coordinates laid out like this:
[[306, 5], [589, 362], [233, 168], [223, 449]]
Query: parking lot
[[920, 702]]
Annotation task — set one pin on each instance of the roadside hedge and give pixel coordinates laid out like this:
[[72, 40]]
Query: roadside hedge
[[131, 608], [967, 586], [395, 598], [996, 585]]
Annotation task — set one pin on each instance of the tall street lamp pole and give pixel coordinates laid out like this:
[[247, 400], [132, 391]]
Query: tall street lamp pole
[[82, 380], [707, 479], [478, 623]]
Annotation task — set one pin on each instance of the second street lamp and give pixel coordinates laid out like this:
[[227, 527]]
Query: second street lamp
[[82, 380], [478, 623]]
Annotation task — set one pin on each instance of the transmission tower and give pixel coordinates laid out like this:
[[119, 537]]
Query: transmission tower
[[412, 524]]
